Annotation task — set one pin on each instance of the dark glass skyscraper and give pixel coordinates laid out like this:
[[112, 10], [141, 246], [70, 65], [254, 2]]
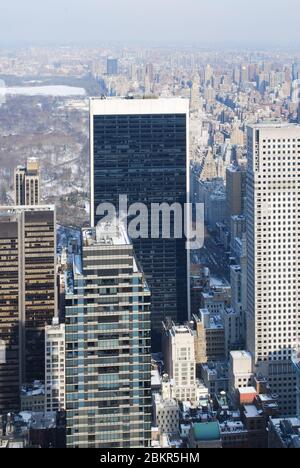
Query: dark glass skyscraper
[[139, 148]]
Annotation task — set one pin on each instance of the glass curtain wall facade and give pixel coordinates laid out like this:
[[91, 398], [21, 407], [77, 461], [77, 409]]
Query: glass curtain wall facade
[[27, 295], [139, 148], [108, 360]]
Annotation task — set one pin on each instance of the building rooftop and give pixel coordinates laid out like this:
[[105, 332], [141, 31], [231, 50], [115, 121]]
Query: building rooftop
[[206, 431], [6, 211], [251, 411], [273, 125], [119, 106], [37, 388], [176, 330], [240, 355], [232, 426], [288, 430], [247, 390], [155, 378], [106, 233]]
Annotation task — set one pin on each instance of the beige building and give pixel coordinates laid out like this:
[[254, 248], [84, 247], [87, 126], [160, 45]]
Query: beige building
[[209, 337], [180, 362], [240, 371], [209, 166], [27, 183]]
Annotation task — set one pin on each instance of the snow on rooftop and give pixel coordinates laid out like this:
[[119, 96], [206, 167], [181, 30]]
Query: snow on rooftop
[[247, 390], [155, 378], [251, 411]]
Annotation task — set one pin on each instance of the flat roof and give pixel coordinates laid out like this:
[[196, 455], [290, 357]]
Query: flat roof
[[18, 208], [247, 390], [106, 233], [240, 354], [128, 106], [251, 411]]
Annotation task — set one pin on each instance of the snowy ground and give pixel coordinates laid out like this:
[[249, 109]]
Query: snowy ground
[[56, 91]]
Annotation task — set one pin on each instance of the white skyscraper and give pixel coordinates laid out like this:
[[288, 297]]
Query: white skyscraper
[[180, 361], [273, 241]]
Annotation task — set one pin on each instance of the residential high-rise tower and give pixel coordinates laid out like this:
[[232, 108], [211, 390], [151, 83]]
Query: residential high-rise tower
[[27, 183], [108, 360]]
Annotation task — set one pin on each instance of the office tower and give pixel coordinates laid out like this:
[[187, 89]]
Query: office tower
[[295, 91], [179, 358], [139, 148], [209, 337], [108, 360], [147, 86], [112, 66], [273, 245], [237, 75], [244, 73], [208, 74], [295, 71], [27, 295], [55, 367], [236, 136], [150, 72], [252, 71], [27, 183], [10, 384], [133, 72], [209, 95], [235, 191], [209, 166], [195, 102]]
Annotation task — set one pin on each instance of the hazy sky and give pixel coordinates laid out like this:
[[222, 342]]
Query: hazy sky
[[228, 22]]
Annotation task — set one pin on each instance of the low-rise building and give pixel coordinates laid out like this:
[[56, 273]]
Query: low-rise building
[[205, 435], [216, 299], [209, 337], [284, 433], [166, 414], [240, 372], [33, 397], [234, 435], [215, 377], [255, 421]]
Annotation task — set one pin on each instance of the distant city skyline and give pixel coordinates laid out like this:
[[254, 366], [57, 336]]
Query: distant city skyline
[[210, 23]]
